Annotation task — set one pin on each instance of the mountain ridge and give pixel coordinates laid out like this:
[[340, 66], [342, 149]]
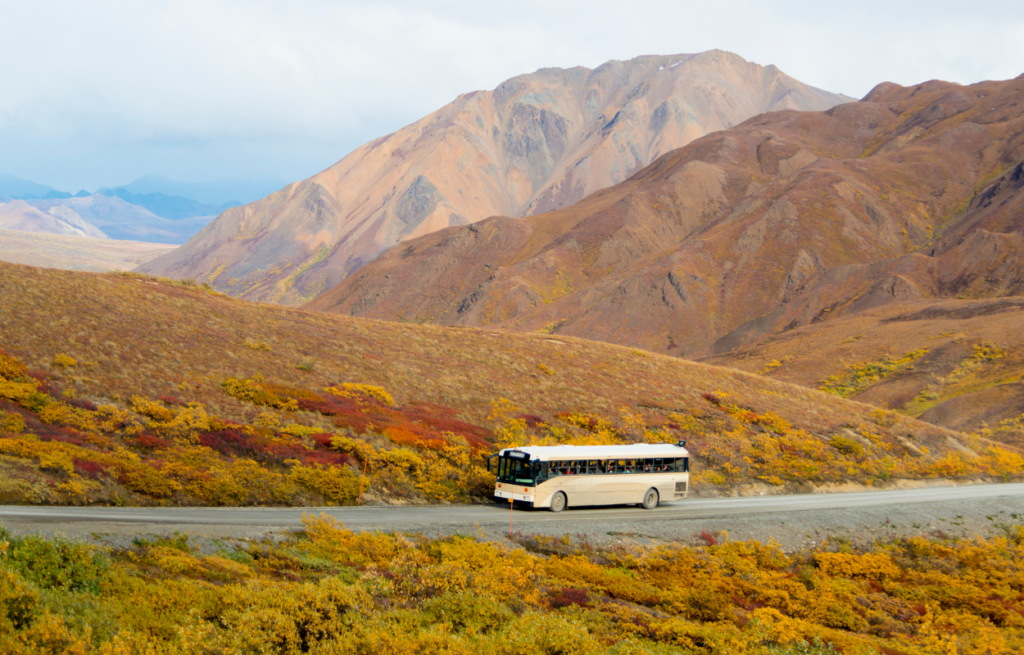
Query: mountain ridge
[[787, 219], [536, 141]]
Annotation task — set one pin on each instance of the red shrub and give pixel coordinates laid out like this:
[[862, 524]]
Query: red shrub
[[712, 398], [322, 440], [89, 469], [708, 538], [146, 440], [413, 435], [170, 400], [568, 596]]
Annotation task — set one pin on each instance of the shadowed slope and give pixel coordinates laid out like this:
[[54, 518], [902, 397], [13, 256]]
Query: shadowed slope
[[537, 142]]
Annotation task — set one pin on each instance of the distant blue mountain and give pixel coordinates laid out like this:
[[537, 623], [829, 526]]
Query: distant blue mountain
[[165, 206], [17, 188], [161, 196], [226, 193]]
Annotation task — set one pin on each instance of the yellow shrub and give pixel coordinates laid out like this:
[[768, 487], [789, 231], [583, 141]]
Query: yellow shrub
[[363, 451], [187, 423], [401, 458], [151, 409], [19, 392], [873, 566], [300, 431], [351, 390], [11, 368], [57, 462], [337, 485], [62, 360], [60, 413], [846, 445], [11, 423], [252, 390], [1003, 463]]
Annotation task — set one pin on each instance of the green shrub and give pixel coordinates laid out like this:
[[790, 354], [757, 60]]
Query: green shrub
[[846, 445], [57, 563]]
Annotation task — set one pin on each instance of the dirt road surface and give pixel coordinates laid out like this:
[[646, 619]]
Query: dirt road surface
[[795, 521]]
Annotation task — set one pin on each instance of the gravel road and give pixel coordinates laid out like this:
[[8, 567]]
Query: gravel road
[[796, 521]]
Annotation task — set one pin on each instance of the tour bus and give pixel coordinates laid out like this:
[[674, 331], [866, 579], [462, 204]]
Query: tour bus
[[557, 477]]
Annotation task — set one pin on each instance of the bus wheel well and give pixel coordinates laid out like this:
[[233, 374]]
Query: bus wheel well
[[651, 499], [558, 501]]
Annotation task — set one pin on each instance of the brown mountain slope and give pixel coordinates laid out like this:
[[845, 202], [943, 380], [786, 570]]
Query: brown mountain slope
[[537, 142], [968, 373], [141, 348], [787, 219]]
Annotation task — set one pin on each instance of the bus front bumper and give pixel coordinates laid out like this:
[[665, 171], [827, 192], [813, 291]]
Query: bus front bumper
[[506, 494]]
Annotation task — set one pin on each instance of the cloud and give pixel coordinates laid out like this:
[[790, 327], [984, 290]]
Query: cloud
[[92, 91]]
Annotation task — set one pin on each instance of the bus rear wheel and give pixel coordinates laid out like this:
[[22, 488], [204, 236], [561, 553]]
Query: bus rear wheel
[[650, 499], [558, 502]]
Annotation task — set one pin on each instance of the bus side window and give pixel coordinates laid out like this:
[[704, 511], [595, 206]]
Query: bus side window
[[686, 465], [670, 464]]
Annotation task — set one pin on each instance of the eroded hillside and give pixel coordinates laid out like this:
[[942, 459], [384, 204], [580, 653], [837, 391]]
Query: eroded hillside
[[789, 219]]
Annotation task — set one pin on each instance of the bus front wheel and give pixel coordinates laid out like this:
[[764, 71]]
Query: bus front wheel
[[558, 502], [650, 499]]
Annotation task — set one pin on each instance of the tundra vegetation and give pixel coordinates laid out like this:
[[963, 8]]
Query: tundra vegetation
[[330, 590], [350, 441]]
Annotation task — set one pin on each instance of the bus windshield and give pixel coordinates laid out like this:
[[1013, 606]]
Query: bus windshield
[[516, 471]]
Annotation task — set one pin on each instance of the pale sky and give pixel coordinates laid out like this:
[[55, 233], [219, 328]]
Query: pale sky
[[98, 93]]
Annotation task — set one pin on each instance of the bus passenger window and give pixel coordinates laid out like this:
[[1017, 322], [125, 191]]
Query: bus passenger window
[[686, 465]]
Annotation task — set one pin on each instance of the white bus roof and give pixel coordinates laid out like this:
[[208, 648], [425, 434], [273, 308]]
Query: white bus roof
[[558, 453]]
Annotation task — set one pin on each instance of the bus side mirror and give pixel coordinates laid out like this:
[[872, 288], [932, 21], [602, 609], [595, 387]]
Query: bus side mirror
[[489, 462]]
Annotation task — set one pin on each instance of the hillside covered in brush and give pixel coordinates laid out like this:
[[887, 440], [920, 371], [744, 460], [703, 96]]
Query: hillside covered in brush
[[955, 363], [536, 142], [789, 219], [129, 389]]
